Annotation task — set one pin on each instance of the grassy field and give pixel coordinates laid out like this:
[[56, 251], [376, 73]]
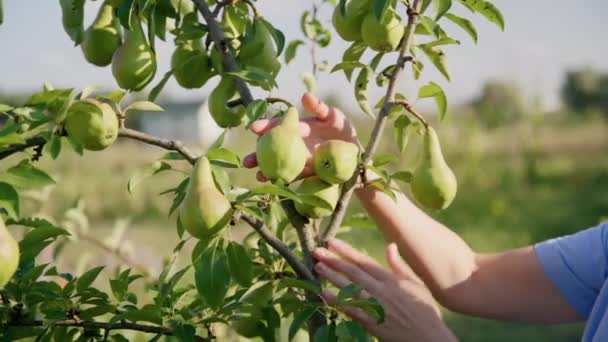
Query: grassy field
[[517, 185]]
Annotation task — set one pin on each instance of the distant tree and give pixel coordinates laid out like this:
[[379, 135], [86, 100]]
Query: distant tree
[[499, 103], [586, 91]]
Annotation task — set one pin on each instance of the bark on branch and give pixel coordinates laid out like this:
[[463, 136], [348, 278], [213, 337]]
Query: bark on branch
[[172, 145]]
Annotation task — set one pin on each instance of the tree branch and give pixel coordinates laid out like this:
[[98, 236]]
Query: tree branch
[[172, 145], [407, 106], [280, 247], [228, 59], [348, 188], [31, 142], [107, 326]]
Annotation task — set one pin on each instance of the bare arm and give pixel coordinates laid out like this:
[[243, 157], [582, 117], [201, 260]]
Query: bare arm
[[510, 285]]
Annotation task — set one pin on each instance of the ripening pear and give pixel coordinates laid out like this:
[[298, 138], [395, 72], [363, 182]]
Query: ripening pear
[[281, 152], [258, 49], [191, 65], [134, 63], [205, 210], [223, 115], [433, 183], [315, 187], [382, 36], [92, 123], [9, 255], [335, 161], [102, 38], [348, 26]]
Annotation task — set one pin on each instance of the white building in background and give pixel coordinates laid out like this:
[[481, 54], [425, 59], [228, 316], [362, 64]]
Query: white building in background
[[189, 122]]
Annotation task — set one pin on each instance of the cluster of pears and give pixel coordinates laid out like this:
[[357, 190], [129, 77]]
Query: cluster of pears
[[205, 210], [92, 123], [9, 255], [133, 60], [433, 183], [281, 154], [359, 23]]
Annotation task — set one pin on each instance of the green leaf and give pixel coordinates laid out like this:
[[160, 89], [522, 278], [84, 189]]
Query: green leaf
[[299, 320], [53, 146], [417, 68], [352, 54], [351, 331], [10, 139], [359, 220], [465, 24], [145, 106], [224, 157], [434, 90], [148, 313], [349, 65], [239, 262], [361, 91], [441, 7], [25, 176], [159, 87], [255, 75], [441, 41], [116, 96], [256, 109], [403, 176], [382, 159], [292, 47], [5, 108], [277, 35], [88, 278], [212, 276], [73, 19], [273, 189], [492, 13], [439, 60], [300, 284], [401, 132], [172, 156], [9, 200], [145, 172], [381, 8]]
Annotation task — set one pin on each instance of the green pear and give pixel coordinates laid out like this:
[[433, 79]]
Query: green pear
[[433, 183], [348, 26], [383, 36], [223, 115], [191, 65], [281, 152], [134, 63], [9, 255], [335, 161], [258, 49], [102, 38], [92, 123], [205, 210], [320, 190]]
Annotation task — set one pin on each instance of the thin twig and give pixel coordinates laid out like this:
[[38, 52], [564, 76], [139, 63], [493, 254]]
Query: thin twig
[[31, 142], [237, 102], [407, 106], [219, 6], [107, 326], [280, 247], [172, 145], [348, 188]]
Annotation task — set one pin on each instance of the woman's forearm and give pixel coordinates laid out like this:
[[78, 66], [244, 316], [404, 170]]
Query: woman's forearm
[[437, 255]]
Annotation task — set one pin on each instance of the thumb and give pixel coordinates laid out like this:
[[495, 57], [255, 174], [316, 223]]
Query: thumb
[[398, 265]]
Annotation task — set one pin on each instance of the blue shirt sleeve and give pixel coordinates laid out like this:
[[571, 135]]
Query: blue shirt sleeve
[[576, 264]]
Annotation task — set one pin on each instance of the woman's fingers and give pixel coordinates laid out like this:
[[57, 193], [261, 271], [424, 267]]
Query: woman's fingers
[[347, 268], [262, 126], [398, 265], [362, 260]]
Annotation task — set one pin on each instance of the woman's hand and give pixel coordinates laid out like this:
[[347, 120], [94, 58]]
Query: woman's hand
[[326, 123], [410, 312]]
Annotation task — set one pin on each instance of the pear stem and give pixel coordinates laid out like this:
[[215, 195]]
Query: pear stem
[[407, 106], [348, 188]]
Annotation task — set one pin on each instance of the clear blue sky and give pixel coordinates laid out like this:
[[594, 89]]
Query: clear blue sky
[[543, 38]]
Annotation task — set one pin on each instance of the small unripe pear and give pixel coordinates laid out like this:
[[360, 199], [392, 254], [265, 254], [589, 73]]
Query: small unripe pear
[[281, 152], [92, 123], [383, 36], [348, 26], [9, 255], [433, 183], [315, 187], [223, 115], [335, 161], [102, 38], [134, 63], [205, 210], [191, 65]]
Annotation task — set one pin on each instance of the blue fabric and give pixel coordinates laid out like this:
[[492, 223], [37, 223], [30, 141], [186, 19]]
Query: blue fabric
[[577, 265]]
